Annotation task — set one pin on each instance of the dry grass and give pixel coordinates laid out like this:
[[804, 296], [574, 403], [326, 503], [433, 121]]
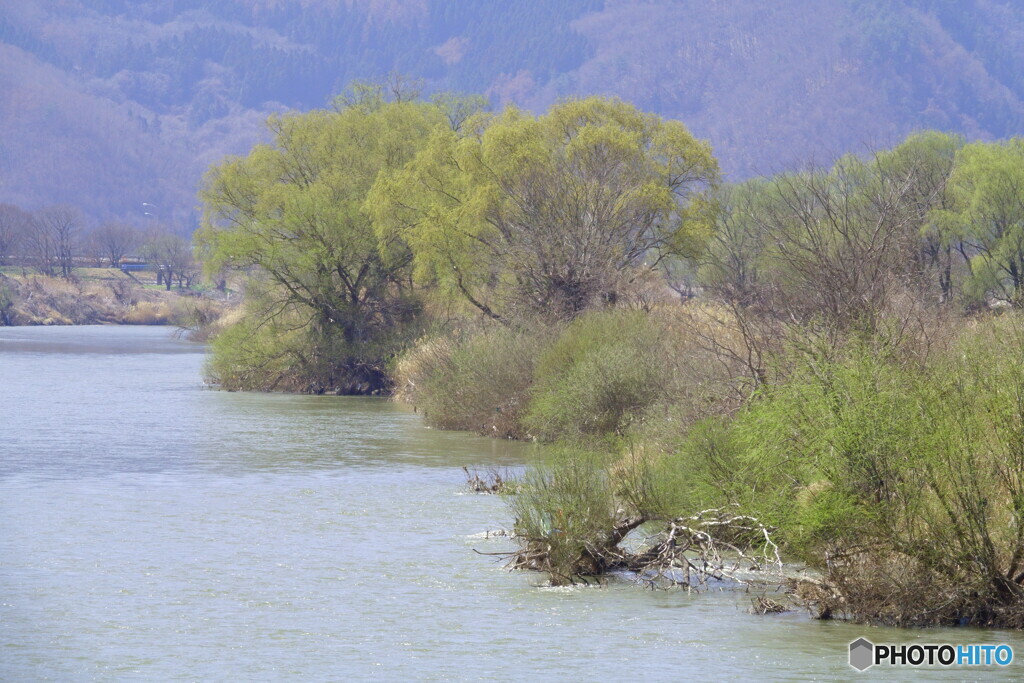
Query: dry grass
[[149, 313], [412, 370], [111, 298]]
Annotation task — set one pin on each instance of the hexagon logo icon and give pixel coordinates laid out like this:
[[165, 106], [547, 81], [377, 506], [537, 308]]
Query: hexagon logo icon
[[862, 654]]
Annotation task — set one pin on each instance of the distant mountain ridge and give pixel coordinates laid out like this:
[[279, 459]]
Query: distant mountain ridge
[[110, 103]]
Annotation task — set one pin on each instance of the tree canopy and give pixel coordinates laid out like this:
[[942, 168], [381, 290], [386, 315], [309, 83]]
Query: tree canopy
[[521, 214], [291, 212], [986, 217]]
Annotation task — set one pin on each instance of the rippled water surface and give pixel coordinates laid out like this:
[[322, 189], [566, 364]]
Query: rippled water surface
[[151, 528]]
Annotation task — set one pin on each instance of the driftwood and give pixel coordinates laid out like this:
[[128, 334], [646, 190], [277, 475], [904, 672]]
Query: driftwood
[[713, 545], [762, 604], [490, 482]]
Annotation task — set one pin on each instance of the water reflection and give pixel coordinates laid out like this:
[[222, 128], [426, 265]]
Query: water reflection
[[282, 432]]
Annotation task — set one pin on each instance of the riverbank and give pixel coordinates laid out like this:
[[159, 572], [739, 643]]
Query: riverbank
[[889, 463], [103, 296]]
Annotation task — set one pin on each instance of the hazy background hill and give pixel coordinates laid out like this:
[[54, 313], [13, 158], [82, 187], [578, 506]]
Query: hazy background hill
[[106, 104]]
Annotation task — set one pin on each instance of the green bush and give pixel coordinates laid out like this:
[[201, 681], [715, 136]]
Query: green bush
[[6, 302], [249, 356], [700, 473], [904, 479], [599, 376], [287, 353], [565, 514], [477, 382]]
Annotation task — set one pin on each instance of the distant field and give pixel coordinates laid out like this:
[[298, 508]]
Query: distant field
[[145, 278], [97, 273]]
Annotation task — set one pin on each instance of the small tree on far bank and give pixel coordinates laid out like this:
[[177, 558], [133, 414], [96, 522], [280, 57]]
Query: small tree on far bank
[[172, 255], [52, 240], [115, 241], [986, 218], [14, 223]]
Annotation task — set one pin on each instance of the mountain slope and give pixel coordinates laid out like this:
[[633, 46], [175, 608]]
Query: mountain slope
[[109, 103]]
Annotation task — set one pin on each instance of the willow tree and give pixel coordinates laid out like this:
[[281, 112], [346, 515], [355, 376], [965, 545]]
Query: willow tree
[[327, 293], [520, 214], [923, 163], [985, 219]]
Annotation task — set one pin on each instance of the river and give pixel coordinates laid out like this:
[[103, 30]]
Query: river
[[152, 528]]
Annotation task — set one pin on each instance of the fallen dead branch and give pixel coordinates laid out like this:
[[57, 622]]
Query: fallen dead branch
[[762, 604], [490, 481], [713, 545]]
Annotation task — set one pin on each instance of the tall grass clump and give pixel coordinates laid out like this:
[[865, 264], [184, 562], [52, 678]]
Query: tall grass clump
[[567, 516]]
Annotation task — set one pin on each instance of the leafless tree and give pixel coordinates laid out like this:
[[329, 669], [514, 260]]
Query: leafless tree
[[115, 241], [38, 247], [172, 255], [821, 252], [13, 225], [53, 239]]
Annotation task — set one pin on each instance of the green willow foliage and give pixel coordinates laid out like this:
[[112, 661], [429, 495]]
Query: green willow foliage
[[881, 462], [883, 444], [985, 218], [523, 215], [824, 383], [291, 213], [350, 215]]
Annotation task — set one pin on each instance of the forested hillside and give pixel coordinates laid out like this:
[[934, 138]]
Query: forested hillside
[[111, 103]]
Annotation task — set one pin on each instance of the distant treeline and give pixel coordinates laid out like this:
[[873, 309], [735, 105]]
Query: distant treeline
[[55, 240]]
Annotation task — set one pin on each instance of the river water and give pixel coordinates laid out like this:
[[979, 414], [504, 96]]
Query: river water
[[151, 528]]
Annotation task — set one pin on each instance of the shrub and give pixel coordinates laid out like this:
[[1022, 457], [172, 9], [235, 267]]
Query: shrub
[[286, 353], [904, 481], [599, 376], [603, 375], [698, 474], [244, 356], [7, 297], [475, 382], [566, 514]]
